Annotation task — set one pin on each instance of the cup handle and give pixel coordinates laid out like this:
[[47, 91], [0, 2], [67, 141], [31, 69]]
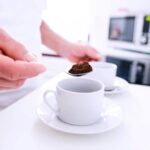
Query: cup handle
[[47, 102]]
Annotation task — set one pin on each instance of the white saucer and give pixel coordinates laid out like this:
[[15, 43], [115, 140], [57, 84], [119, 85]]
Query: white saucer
[[120, 86], [110, 118]]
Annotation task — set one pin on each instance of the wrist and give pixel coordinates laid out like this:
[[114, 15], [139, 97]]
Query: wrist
[[64, 48]]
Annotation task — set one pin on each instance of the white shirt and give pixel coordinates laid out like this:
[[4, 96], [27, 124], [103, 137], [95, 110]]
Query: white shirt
[[21, 19]]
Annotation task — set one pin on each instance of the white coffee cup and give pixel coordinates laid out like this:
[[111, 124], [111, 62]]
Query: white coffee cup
[[79, 100], [104, 72]]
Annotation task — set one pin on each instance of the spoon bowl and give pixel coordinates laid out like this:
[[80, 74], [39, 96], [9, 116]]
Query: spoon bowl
[[78, 70], [77, 75]]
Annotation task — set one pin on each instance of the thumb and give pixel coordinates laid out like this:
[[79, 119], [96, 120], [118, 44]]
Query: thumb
[[13, 48]]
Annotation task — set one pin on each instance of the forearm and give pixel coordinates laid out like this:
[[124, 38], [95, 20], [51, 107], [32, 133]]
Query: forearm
[[53, 40], [75, 52]]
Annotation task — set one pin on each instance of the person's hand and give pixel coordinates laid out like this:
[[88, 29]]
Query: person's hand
[[76, 53], [16, 65], [79, 53]]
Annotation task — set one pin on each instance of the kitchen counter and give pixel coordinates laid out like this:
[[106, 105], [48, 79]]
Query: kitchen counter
[[125, 54], [21, 129]]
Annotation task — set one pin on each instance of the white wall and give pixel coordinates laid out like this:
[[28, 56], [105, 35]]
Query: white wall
[[101, 11], [99, 22], [132, 5], [69, 18]]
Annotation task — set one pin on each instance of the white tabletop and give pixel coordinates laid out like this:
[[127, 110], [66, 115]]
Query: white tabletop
[[21, 129]]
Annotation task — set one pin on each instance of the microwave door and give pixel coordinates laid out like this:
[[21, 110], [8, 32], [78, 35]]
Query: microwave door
[[121, 29]]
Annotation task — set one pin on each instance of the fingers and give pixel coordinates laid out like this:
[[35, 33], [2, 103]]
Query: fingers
[[84, 53], [7, 84], [16, 65], [26, 70], [12, 48], [92, 54], [16, 70], [74, 59], [84, 59]]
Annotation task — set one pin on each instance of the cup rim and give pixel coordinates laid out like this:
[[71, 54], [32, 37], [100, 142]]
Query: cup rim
[[83, 78]]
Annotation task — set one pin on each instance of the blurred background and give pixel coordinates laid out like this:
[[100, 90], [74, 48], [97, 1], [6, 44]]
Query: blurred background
[[70, 18], [118, 29]]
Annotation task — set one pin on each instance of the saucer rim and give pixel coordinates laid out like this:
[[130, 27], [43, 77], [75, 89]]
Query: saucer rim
[[53, 116], [118, 88]]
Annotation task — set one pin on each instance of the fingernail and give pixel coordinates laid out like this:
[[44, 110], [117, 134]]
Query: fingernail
[[41, 68], [98, 56], [30, 57]]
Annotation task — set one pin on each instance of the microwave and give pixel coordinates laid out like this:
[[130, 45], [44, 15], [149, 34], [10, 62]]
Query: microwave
[[130, 32]]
